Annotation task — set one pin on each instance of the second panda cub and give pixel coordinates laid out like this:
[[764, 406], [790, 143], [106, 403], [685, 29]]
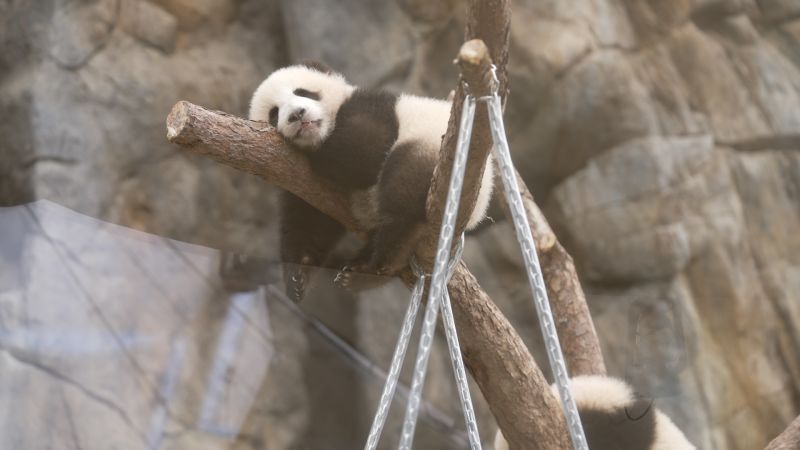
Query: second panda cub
[[380, 147]]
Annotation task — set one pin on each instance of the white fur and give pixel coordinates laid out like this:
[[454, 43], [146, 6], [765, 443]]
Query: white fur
[[278, 90], [500, 442], [364, 204], [606, 393], [668, 436], [424, 120], [598, 392], [484, 195]]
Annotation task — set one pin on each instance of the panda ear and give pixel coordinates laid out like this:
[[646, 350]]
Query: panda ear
[[639, 409], [316, 65]]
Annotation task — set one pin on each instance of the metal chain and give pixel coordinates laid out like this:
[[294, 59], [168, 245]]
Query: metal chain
[[525, 239], [438, 286], [443, 269], [397, 359], [460, 373]]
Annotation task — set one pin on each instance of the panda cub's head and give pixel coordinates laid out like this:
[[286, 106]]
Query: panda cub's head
[[301, 101]]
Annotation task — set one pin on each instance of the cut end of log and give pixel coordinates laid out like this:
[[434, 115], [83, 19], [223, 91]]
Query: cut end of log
[[473, 53], [547, 242], [475, 63], [176, 122], [171, 133]]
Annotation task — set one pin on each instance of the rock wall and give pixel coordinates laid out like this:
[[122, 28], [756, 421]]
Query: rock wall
[[668, 164], [662, 138]]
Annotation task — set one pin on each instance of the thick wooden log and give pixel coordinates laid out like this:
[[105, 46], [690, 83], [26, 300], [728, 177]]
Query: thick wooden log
[[576, 331], [789, 439], [256, 148]]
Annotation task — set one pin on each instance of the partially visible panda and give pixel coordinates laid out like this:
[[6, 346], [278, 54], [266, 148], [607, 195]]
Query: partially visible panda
[[614, 419], [380, 147]]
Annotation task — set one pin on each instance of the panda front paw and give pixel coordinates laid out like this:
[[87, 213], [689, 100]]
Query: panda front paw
[[354, 278], [344, 279], [295, 278], [359, 278], [297, 287]]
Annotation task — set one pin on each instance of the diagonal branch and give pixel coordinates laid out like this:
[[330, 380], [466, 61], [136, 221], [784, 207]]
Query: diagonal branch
[[475, 64], [576, 331], [510, 380], [789, 439], [256, 148], [489, 21]]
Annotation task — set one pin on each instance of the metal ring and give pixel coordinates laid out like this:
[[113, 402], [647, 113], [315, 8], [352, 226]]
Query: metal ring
[[494, 77], [494, 88], [453, 263], [416, 269]]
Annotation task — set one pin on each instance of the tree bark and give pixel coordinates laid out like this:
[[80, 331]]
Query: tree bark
[[489, 20], [789, 439], [497, 358], [256, 148], [574, 324], [513, 385]]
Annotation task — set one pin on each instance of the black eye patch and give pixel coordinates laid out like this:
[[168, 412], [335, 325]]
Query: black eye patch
[[273, 116], [300, 92]]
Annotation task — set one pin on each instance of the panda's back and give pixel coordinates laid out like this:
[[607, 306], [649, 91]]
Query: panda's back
[[422, 120], [422, 124]]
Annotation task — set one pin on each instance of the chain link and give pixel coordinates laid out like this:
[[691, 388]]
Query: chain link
[[460, 373], [436, 292], [525, 239], [443, 269], [397, 359]]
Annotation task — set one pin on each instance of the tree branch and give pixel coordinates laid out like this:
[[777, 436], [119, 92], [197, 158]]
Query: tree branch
[[256, 148], [789, 439], [574, 324], [489, 20], [475, 64], [512, 383]]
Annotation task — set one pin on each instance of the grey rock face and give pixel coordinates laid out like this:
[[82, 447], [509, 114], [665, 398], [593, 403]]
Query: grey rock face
[[714, 85], [620, 231], [77, 31], [595, 105], [314, 31], [121, 338], [660, 136], [779, 10], [149, 23]]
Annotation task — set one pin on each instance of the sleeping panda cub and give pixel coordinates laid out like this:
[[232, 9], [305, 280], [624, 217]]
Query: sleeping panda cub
[[379, 147], [614, 419]]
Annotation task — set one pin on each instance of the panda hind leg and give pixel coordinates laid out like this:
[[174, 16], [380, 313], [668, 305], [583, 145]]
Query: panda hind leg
[[402, 192], [387, 251], [394, 244], [307, 238]]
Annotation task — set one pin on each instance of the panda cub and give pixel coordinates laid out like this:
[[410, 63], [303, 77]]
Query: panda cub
[[614, 419], [379, 147]]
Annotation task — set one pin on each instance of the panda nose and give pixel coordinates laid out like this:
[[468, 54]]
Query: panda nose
[[297, 115]]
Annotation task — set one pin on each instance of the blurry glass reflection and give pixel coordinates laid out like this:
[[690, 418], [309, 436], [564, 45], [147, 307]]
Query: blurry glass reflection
[[114, 338]]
